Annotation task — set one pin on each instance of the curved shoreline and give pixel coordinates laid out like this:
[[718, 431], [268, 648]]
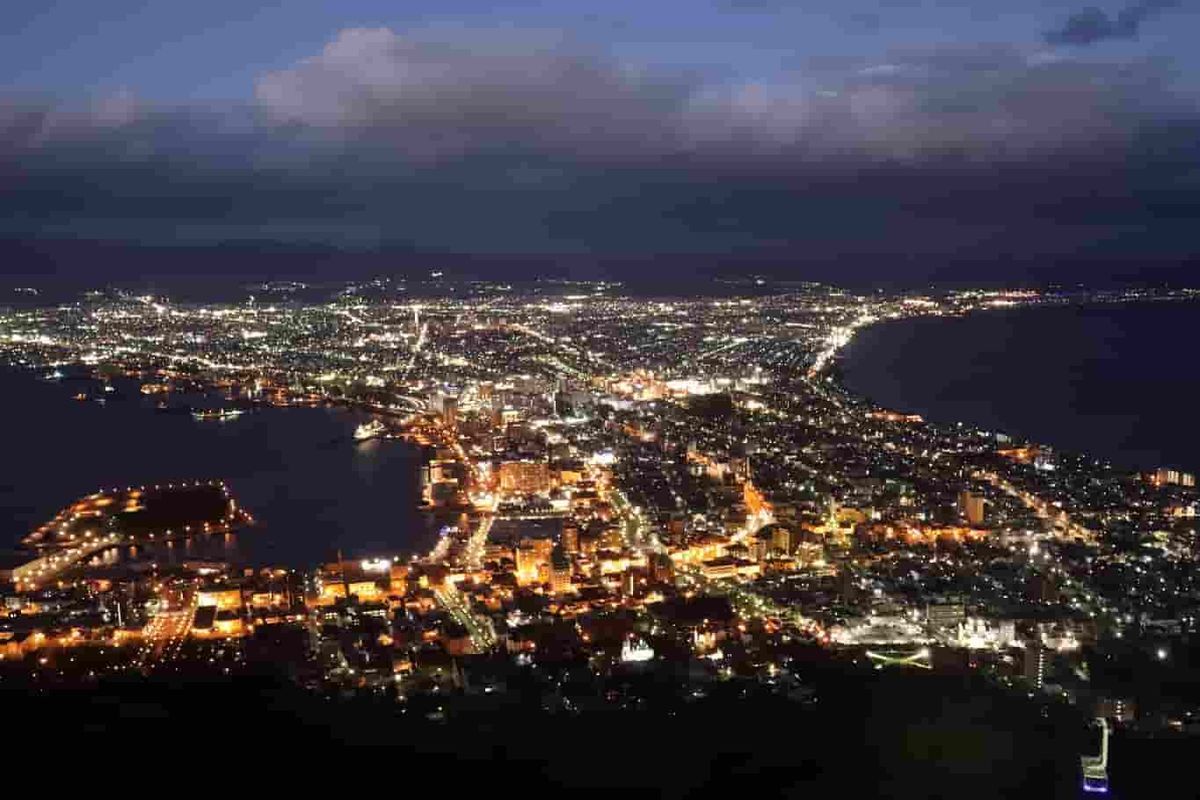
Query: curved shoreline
[[257, 456], [1123, 461]]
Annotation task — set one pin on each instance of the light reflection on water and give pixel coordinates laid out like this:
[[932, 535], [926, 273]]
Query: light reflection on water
[[311, 488]]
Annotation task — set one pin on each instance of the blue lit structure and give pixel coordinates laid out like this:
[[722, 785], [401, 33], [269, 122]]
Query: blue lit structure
[[1095, 767]]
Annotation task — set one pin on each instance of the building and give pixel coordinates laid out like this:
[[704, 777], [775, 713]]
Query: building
[[560, 570], [945, 615], [449, 408], [398, 579], [662, 569], [782, 541], [202, 621], [728, 567], [229, 623], [760, 547], [1042, 588], [225, 598], [772, 540], [444, 494], [533, 560], [525, 477], [971, 507], [634, 650], [570, 538], [1173, 477]]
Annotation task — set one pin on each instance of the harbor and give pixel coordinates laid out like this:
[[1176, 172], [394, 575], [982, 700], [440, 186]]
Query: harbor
[[311, 488], [111, 519]]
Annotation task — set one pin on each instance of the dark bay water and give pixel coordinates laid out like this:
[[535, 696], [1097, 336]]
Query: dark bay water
[[1117, 381], [311, 488]]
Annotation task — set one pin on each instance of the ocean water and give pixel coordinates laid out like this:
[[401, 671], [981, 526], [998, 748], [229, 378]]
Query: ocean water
[[1116, 381], [311, 488]]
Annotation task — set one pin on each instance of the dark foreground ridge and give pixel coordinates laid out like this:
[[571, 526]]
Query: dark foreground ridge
[[886, 735]]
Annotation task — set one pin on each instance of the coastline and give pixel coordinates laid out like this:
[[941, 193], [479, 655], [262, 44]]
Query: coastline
[[935, 411], [296, 469]]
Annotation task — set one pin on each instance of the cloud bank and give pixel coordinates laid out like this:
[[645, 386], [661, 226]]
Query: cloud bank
[[530, 144], [437, 99]]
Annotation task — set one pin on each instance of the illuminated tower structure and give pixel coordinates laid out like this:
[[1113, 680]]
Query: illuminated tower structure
[[834, 533]]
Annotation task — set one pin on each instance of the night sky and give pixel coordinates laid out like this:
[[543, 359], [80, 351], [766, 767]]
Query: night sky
[[957, 141]]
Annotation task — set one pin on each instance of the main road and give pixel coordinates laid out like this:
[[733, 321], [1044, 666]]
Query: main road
[[483, 638], [1064, 526], [165, 633]]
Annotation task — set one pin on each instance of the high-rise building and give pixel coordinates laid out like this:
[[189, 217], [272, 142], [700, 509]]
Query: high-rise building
[[847, 586], [781, 540], [1042, 587], [662, 569], [971, 506], [533, 560], [560, 570], [570, 539], [449, 408], [760, 547]]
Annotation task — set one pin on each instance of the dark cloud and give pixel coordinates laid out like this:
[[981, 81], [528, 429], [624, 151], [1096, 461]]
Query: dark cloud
[[436, 100], [385, 141], [1091, 25], [439, 98]]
